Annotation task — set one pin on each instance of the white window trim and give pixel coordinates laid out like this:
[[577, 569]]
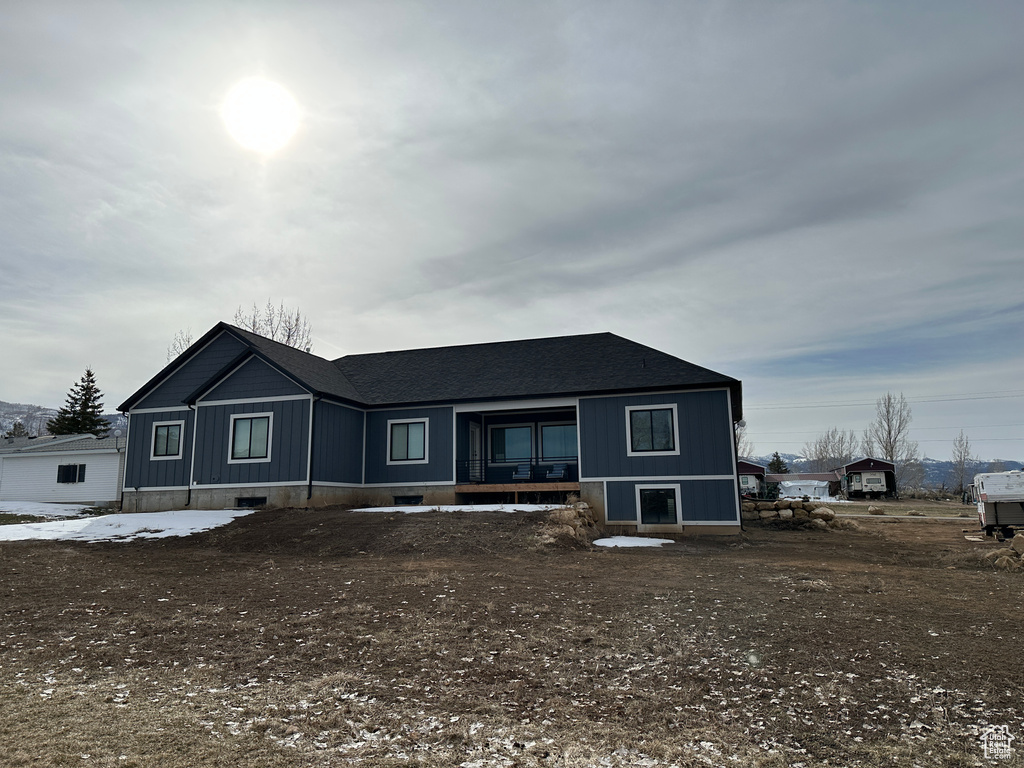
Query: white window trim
[[540, 440], [659, 487], [490, 442], [270, 437], [181, 441], [426, 442], [652, 407]]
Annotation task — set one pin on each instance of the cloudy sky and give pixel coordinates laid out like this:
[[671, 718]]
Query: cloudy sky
[[823, 199]]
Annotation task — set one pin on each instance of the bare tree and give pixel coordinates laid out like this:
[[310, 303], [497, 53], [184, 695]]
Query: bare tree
[[744, 448], [277, 323], [889, 433], [965, 464], [182, 341], [833, 448]]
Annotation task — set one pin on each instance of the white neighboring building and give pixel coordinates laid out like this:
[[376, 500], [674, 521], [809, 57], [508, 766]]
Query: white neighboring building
[[78, 469]]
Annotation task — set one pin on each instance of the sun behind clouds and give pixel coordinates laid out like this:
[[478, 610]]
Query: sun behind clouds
[[260, 115]]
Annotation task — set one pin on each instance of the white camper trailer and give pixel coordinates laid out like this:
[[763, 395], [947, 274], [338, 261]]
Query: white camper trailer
[[1000, 500]]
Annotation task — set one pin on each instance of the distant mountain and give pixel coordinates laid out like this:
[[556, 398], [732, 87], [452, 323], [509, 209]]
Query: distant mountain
[[34, 417], [936, 471]]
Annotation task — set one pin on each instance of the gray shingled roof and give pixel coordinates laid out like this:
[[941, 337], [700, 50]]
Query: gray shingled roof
[[559, 366], [562, 365], [48, 443]]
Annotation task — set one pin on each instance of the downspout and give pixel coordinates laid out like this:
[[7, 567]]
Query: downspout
[[312, 431], [192, 458]]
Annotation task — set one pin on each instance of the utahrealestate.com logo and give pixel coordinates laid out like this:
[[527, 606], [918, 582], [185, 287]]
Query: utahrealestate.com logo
[[995, 741]]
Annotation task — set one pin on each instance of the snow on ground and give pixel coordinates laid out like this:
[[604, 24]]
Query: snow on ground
[[631, 541], [409, 510], [41, 508], [137, 525]]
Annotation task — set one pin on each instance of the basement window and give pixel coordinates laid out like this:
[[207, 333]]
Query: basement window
[[250, 502]]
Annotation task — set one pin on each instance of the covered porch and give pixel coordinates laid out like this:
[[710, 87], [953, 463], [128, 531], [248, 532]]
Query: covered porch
[[504, 449]]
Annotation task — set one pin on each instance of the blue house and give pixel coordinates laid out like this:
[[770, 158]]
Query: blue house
[[239, 420]]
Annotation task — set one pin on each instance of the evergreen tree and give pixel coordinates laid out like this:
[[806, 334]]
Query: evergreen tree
[[777, 465], [17, 430], [83, 412]]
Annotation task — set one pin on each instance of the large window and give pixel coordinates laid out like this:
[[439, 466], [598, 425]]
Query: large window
[[658, 505], [71, 473], [250, 437], [652, 431], [407, 441], [509, 444], [167, 440], [558, 441]]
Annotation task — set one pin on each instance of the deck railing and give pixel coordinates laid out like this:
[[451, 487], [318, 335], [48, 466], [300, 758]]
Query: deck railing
[[537, 470]]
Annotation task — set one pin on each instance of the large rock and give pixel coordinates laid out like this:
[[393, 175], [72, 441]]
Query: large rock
[[749, 506], [765, 505], [822, 513], [783, 504], [1008, 564], [785, 514], [873, 510], [994, 554], [817, 524], [749, 514], [1017, 545], [768, 514]]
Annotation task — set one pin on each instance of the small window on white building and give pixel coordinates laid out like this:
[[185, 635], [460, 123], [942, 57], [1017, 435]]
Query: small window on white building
[[71, 473]]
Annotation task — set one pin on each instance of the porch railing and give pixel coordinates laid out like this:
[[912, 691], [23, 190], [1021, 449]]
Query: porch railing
[[479, 471]]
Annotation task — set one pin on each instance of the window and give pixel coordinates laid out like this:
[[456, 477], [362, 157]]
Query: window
[[744, 480], [407, 441], [71, 473], [651, 431], [510, 444], [250, 437], [167, 440], [872, 481], [657, 505], [558, 441]]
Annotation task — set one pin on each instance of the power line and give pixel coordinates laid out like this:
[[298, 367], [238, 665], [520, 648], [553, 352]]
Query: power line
[[953, 398]]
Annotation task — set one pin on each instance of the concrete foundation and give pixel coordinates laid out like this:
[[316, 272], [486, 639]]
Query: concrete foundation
[[283, 496]]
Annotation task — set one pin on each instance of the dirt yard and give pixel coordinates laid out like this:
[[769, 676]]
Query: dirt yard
[[332, 638]]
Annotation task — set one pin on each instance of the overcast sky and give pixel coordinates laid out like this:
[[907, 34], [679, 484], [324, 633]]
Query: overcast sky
[[822, 199]]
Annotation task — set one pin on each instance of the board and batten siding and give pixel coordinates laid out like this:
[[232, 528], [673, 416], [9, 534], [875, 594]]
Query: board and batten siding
[[34, 478], [199, 369], [254, 378], [140, 470], [338, 444], [289, 444], [702, 502], [704, 428], [440, 447]]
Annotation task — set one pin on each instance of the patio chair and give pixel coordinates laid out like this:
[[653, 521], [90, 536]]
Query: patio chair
[[522, 472], [558, 472]]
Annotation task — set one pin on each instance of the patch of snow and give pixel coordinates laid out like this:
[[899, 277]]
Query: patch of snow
[[410, 510], [631, 541], [41, 508], [136, 525]]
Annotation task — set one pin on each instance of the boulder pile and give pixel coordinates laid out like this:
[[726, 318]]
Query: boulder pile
[[575, 520], [1010, 557], [809, 514]]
